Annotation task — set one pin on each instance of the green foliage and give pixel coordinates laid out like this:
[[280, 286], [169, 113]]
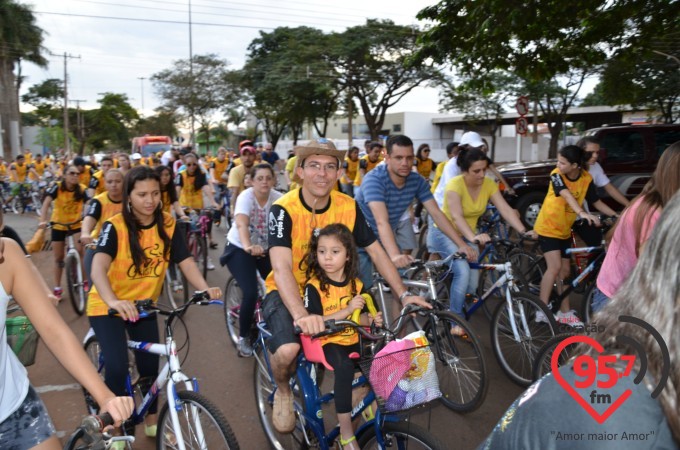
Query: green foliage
[[110, 124], [196, 88], [47, 98], [163, 123], [374, 62], [595, 98]]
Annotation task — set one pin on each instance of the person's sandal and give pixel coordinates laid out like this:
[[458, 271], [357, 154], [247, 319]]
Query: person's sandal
[[348, 444], [459, 332]]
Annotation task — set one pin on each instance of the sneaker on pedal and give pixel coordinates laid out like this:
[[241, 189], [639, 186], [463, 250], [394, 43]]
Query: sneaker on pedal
[[177, 286], [245, 350], [569, 318], [210, 265], [541, 317], [58, 292]]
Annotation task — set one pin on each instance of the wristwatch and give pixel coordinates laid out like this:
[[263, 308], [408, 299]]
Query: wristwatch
[[405, 294]]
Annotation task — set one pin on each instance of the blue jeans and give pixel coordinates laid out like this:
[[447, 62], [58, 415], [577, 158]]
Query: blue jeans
[[599, 299], [365, 268], [464, 280]]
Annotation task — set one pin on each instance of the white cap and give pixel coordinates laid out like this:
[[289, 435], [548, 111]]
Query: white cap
[[136, 156], [472, 139]]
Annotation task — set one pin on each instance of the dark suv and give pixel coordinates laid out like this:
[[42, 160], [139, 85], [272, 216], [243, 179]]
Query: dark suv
[[628, 155]]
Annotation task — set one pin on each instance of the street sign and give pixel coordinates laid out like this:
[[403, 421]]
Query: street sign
[[521, 125], [522, 105]]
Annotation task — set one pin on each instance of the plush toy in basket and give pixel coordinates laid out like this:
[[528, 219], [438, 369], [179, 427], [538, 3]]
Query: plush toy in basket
[[403, 373]]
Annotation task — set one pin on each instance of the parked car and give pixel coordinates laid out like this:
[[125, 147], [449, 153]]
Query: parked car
[[628, 155]]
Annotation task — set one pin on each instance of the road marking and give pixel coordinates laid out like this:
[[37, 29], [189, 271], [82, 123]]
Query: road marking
[[56, 387]]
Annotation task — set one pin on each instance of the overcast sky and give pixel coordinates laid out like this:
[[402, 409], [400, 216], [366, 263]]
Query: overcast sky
[[150, 34]]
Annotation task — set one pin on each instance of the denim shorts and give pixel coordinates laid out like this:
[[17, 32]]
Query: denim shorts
[[28, 426]]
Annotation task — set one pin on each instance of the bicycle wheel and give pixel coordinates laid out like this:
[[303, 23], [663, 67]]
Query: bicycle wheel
[[202, 425], [199, 250], [460, 363], [401, 435], [233, 296], [93, 351], [74, 281], [528, 270], [516, 354], [543, 361], [587, 303], [167, 297], [264, 399]]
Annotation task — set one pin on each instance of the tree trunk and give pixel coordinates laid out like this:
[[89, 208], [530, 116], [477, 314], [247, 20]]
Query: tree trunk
[[9, 104]]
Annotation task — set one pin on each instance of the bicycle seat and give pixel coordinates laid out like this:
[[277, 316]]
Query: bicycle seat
[[313, 351]]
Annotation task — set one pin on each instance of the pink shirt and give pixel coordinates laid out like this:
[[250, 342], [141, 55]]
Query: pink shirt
[[621, 259]]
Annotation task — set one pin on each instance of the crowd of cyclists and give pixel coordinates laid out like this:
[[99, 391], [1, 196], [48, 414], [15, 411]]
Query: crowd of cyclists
[[315, 239]]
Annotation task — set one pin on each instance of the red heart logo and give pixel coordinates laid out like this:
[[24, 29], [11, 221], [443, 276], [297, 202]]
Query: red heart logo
[[600, 418]]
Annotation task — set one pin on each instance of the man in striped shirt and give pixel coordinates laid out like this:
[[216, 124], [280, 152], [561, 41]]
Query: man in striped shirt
[[386, 193]]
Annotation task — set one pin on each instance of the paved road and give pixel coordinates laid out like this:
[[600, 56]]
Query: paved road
[[227, 379]]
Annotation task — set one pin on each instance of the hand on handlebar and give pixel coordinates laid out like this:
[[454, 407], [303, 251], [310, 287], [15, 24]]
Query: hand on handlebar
[[215, 293], [357, 302], [126, 309], [401, 261], [469, 252], [531, 234], [589, 218], [256, 250], [482, 239], [416, 300], [311, 324], [85, 239], [377, 319], [120, 409]]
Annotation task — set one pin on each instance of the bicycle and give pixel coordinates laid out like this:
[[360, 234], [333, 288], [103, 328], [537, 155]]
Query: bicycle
[[90, 434], [26, 199], [73, 266], [197, 237], [383, 430], [224, 200], [460, 362], [187, 419], [543, 360], [175, 282], [233, 297]]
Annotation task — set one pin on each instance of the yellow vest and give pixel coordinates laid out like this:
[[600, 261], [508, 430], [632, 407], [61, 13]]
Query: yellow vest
[[189, 195], [556, 216], [21, 171], [126, 281], [342, 209], [337, 298], [66, 209], [109, 209]]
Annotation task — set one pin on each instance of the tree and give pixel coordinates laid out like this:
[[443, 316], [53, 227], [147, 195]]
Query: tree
[[197, 88], [479, 104], [374, 64], [110, 124], [47, 98], [163, 123], [646, 80], [291, 81], [20, 40]]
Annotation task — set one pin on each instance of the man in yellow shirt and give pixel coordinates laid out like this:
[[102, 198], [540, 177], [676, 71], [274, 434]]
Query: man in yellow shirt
[[237, 176], [368, 162]]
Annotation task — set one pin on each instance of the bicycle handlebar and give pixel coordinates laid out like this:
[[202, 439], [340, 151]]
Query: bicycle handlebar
[[90, 431], [147, 307]]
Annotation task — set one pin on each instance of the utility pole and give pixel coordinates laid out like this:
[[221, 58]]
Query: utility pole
[[80, 122], [67, 144], [191, 74], [142, 83]]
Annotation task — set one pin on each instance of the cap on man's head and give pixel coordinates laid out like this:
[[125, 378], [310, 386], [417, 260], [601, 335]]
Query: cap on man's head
[[136, 156], [79, 161], [472, 139], [321, 146], [248, 149], [245, 142]]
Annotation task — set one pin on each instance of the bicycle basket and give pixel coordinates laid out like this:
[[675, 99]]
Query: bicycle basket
[[403, 374]]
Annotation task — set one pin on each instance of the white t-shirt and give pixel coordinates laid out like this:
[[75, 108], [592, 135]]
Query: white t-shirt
[[599, 178], [451, 170], [167, 157], [13, 376], [247, 204]]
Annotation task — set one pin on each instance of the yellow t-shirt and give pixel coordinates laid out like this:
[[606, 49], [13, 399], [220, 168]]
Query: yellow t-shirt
[[128, 283], [341, 209], [424, 167], [437, 176], [21, 171], [39, 167], [3, 170], [101, 184], [337, 298], [291, 164], [109, 208], [556, 216], [350, 171], [65, 208], [189, 195], [366, 164], [219, 167], [473, 209]]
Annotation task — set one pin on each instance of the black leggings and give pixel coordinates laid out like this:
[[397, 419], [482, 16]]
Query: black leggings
[[338, 357], [242, 266], [110, 332]]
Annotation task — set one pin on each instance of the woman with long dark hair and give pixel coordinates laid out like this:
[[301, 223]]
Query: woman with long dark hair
[[67, 199], [169, 197], [651, 293], [130, 262]]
